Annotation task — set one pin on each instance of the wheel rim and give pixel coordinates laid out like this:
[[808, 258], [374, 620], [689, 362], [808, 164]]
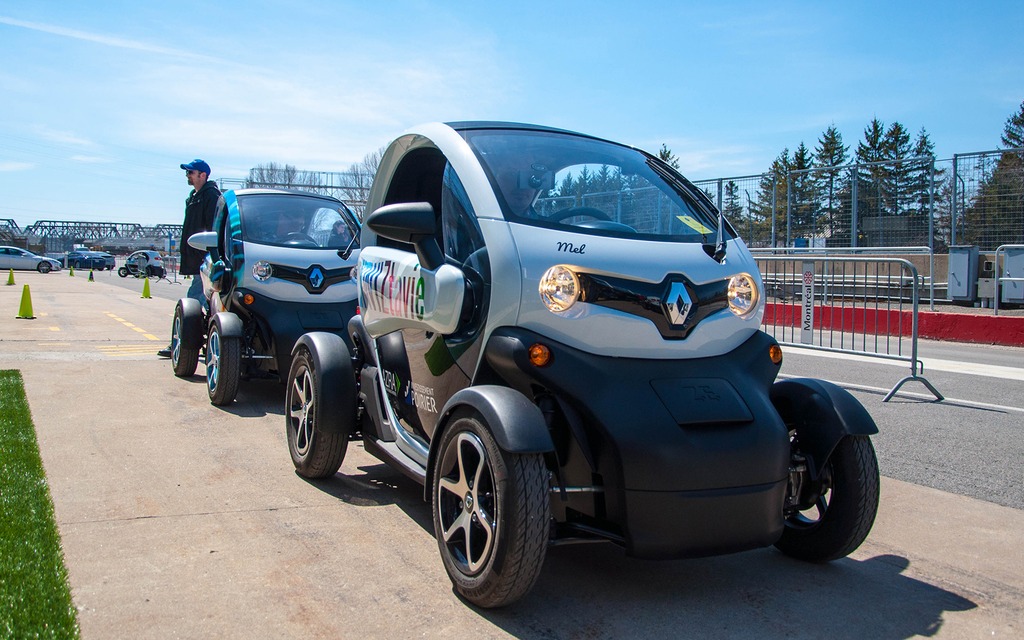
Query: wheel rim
[[301, 410], [176, 340], [810, 517], [213, 361], [466, 503]]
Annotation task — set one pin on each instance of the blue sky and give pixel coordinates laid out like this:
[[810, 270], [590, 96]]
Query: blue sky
[[100, 103]]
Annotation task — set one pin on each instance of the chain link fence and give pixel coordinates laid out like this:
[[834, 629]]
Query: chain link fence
[[973, 198]]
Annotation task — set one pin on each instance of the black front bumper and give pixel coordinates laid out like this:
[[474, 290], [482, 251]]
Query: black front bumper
[[282, 323], [692, 455]]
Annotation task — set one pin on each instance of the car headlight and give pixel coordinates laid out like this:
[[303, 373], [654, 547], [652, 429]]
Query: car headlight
[[262, 270], [743, 296], [559, 288]]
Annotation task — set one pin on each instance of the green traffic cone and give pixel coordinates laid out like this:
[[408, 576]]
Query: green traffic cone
[[90, 276], [145, 289], [71, 271], [10, 277], [25, 311]]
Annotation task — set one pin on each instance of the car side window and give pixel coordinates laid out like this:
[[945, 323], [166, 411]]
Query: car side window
[[461, 233]]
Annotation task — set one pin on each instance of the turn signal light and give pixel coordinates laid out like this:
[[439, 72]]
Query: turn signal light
[[775, 353], [540, 355], [248, 299]]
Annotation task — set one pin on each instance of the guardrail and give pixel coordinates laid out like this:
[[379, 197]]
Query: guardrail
[[999, 280], [846, 304]]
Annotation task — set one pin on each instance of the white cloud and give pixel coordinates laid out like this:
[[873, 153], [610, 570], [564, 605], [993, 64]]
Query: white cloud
[[16, 166], [110, 41]]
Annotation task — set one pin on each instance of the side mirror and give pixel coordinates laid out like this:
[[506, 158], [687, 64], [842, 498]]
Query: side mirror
[[412, 223], [203, 241]]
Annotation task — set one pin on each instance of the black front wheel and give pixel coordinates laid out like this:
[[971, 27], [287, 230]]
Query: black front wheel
[[320, 406], [491, 514], [223, 364], [835, 512]]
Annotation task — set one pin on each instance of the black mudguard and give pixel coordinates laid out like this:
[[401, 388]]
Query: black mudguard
[[333, 365], [192, 336], [229, 324], [822, 413], [517, 424]]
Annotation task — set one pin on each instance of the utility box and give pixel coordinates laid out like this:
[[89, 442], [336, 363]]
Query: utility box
[[1013, 267], [963, 273]]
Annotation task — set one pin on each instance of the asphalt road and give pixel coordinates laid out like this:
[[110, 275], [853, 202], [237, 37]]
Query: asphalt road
[[180, 519]]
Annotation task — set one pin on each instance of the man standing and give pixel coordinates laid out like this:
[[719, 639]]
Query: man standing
[[200, 208]]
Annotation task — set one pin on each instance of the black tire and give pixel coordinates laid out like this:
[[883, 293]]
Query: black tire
[[319, 420], [844, 508], [491, 514], [122, 271], [44, 267], [186, 329], [223, 366]]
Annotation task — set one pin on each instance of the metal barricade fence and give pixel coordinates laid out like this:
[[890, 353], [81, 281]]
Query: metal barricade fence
[[1007, 273], [846, 304]]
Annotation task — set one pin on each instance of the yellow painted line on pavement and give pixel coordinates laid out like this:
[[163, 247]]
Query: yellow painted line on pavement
[[115, 350], [148, 336]]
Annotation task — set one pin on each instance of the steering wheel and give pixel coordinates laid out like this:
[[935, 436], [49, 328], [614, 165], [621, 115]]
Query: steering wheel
[[573, 212], [297, 238]]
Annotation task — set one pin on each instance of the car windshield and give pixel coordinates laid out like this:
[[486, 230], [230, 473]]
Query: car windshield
[[551, 179], [297, 221]]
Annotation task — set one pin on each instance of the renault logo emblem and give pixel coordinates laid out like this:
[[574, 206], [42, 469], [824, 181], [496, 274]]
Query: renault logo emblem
[[316, 277], [677, 304]]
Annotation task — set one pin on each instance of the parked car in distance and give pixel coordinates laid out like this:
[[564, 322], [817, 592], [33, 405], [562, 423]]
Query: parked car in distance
[[143, 264], [18, 258], [84, 259]]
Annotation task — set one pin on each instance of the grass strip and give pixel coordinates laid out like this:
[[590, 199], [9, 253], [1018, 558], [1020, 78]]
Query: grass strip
[[35, 599]]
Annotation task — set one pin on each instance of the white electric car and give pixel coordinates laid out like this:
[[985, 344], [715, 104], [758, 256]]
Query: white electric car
[[559, 338]]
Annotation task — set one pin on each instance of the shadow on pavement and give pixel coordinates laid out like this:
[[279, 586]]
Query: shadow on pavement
[[594, 591]]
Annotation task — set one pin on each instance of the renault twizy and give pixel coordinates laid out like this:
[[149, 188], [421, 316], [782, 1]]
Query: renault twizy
[[280, 264], [559, 338]]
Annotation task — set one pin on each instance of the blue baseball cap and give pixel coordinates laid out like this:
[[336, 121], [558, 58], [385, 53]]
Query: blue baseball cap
[[197, 165]]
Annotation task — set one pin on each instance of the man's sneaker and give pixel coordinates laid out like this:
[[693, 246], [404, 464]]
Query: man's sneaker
[[165, 352]]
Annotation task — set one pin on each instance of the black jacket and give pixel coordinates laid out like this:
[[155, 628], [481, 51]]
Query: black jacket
[[200, 208]]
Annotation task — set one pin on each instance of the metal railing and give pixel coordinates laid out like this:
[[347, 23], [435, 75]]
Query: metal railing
[[846, 304], [1009, 277]]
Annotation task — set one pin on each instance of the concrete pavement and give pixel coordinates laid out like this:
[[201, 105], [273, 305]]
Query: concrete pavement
[[180, 519]]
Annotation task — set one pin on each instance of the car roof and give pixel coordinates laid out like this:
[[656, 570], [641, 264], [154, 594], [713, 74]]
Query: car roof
[[471, 125], [282, 192]]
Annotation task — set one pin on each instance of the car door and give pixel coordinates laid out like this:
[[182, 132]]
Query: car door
[[21, 259], [5, 258]]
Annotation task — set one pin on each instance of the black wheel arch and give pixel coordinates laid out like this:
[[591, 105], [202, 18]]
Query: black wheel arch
[[822, 414], [191, 315], [516, 423], [332, 363], [228, 324]]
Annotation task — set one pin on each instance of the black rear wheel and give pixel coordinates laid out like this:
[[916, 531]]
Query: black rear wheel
[[186, 330], [836, 512], [491, 514]]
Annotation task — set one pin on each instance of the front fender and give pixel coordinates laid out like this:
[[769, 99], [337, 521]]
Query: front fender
[[517, 424], [332, 365], [228, 324], [822, 414]]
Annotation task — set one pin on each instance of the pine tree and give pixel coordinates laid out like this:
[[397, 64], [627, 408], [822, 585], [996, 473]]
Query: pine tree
[[803, 200], [896, 181], [771, 201], [1013, 131], [832, 184], [668, 157], [871, 178]]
